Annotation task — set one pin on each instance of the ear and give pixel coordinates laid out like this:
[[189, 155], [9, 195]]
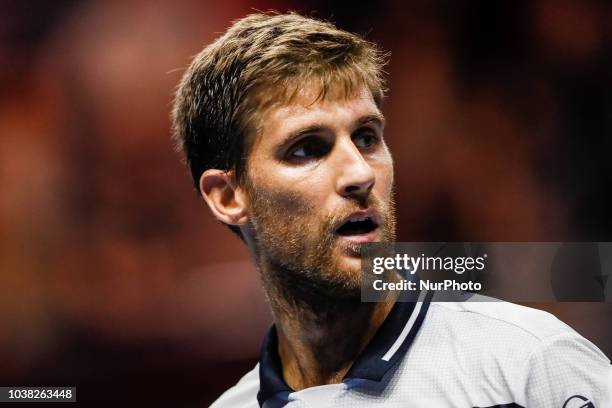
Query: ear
[[226, 200]]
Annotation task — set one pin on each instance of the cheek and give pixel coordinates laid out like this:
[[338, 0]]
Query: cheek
[[384, 177], [308, 188], [280, 199]]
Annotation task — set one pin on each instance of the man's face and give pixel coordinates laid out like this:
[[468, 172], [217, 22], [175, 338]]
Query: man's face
[[320, 184]]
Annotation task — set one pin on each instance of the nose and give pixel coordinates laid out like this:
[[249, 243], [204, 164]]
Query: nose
[[355, 175]]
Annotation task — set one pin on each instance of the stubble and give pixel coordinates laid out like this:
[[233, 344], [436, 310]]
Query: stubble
[[296, 247]]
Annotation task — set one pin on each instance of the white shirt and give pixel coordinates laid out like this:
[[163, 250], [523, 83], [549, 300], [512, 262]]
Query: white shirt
[[466, 354]]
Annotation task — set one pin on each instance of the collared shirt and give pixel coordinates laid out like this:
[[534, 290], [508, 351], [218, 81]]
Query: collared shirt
[[477, 353]]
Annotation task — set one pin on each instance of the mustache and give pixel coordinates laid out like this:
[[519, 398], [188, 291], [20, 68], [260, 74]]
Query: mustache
[[340, 214]]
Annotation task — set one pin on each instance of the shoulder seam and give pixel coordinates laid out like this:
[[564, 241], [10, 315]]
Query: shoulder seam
[[531, 333]]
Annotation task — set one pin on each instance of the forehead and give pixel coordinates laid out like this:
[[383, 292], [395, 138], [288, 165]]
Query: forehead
[[336, 111]]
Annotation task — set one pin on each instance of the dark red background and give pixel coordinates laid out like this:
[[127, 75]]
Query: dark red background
[[114, 276]]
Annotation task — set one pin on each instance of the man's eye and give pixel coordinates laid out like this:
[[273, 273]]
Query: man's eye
[[364, 140], [309, 148]]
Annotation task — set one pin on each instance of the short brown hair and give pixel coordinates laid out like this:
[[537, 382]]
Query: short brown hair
[[220, 93]]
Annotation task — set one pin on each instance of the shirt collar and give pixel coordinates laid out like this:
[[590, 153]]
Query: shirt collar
[[389, 344]]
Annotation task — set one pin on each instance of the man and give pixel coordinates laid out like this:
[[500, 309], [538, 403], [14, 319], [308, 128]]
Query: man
[[281, 126]]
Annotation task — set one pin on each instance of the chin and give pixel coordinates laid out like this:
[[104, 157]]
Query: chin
[[350, 269]]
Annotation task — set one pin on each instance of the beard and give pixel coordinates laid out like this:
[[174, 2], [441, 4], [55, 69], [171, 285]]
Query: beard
[[298, 252]]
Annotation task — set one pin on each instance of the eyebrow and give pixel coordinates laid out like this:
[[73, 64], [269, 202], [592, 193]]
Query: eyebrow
[[376, 118], [373, 118]]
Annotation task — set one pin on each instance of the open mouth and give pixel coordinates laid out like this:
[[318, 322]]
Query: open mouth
[[357, 226]]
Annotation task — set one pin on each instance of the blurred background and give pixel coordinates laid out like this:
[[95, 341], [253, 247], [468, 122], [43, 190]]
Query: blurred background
[[115, 278]]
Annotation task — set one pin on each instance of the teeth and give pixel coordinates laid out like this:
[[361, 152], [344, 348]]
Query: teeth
[[357, 219]]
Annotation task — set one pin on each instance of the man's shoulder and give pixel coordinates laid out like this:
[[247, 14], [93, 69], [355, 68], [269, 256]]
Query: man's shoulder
[[243, 394], [508, 351], [482, 313], [499, 330]]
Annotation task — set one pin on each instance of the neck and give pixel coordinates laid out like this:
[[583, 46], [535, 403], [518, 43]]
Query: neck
[[317, 350], [320, 336]]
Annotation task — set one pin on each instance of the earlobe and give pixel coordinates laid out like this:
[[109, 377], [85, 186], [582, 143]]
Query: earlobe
[[225, 199]]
